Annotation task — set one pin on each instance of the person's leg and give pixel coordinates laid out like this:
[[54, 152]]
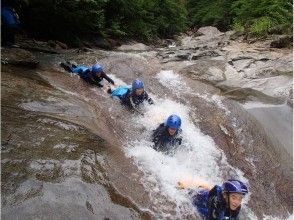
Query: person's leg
[[66, 66]]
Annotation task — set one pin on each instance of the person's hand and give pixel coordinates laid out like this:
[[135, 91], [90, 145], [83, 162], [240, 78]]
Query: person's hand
[[182, 185]]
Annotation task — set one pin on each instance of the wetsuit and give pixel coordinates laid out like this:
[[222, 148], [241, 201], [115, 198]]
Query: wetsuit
[[85, 73], [211, 205], [163, 141], [131, 100]]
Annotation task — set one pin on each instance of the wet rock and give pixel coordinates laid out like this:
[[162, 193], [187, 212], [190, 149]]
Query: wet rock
[[282, 42], [89, 207], [18, 57], [290, 98], [62, 45], [134, 46], [205, 54], [209, 71], [85, 50], [47, 170], [57, 45], [40, 46], [106, 44], [184, 56]]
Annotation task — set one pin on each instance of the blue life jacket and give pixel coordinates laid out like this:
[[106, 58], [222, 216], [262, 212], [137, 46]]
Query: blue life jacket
[[80, 70], [120, 91], [9, 17]]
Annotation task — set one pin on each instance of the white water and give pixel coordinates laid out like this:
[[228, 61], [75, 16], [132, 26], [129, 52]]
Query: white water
[[197, 158]]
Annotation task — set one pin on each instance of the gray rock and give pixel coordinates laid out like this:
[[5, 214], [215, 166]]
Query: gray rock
[[210, 71], [134, 46], [18, 57], [290, 98], [209, 31]]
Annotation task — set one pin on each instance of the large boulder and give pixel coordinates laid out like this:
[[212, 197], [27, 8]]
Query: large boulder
[[209, 31]]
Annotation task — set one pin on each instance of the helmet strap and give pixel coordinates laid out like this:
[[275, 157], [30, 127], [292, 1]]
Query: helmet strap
[[229, 205]]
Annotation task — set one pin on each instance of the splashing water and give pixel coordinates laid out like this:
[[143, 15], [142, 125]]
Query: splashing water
[[197, 158]]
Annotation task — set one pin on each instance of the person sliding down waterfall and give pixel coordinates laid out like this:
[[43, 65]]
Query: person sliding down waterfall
[[167, 136], [132, 97], [218, 203], [92, 75]]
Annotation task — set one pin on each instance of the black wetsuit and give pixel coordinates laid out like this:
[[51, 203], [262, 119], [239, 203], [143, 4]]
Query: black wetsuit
[[212, 205], [131, 100], [163, 141], [85, 73]]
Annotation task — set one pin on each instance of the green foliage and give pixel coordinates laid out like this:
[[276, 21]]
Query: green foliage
[[147, 19], [212, 13], [260, 25], [70, 20], [258, 17], [65, 19], [250, 16]]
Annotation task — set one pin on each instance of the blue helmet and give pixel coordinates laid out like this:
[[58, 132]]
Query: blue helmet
[[173, 121], [97, 68], [234, 186], [137, 84]]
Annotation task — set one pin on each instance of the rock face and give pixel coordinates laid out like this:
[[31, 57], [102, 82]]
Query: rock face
[[242, 71], [134, 47], [290, 98], [208, 71], [106, 44], [18, 57], [282, 42]]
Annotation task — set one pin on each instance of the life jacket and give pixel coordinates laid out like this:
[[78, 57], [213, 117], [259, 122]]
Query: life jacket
[[81, 70], [9, 17], [120, 91]]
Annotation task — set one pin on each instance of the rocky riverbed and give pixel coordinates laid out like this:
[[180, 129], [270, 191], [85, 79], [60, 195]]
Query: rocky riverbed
[[62, 141]]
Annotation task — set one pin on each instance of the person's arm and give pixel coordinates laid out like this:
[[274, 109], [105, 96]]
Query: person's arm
[[125, 99], [192, 183], [84, 76], [148, 99], [107, 78], [156, 136], [216, 211]]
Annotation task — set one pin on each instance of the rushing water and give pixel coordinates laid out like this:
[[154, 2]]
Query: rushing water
[[128, 178]]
